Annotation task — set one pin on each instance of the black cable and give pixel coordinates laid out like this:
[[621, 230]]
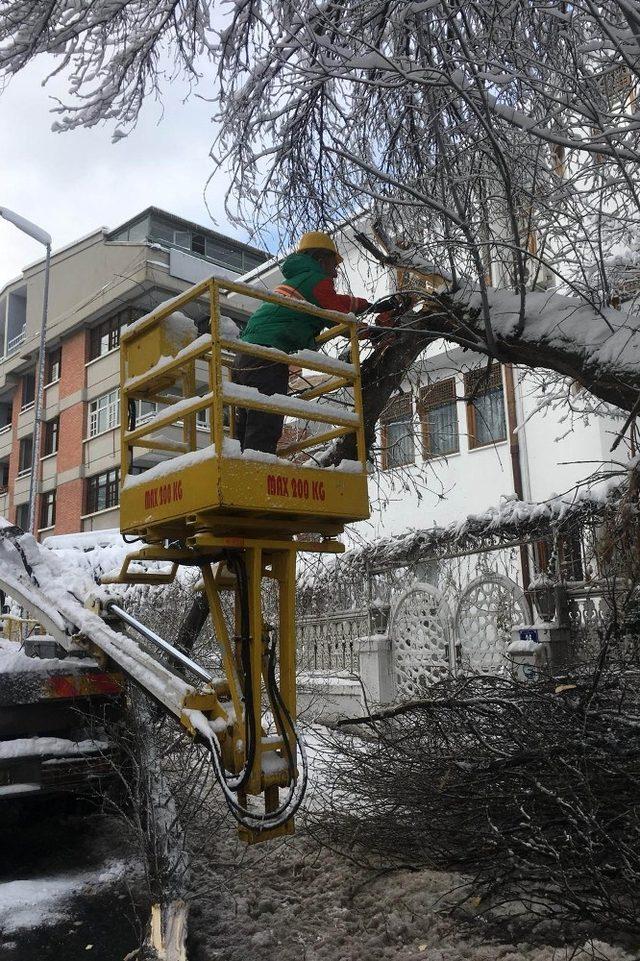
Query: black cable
[[287, 809], [273, 692], [238, 566]]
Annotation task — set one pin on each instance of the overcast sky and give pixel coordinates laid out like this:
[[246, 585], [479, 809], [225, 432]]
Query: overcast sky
[[71, 183]]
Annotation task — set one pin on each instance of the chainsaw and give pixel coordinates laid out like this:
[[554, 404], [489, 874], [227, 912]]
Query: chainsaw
[[389, 309]]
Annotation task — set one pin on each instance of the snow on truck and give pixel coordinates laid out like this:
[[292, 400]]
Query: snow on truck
[[239, 517], [55, 707]]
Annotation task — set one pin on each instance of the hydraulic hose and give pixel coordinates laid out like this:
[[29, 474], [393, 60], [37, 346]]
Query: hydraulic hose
[[275, 699], [238, 782], [297, 789]]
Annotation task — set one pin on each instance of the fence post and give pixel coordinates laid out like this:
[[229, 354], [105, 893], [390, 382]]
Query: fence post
[[376, 668]]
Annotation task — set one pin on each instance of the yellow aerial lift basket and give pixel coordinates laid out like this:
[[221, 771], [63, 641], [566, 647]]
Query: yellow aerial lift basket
[[234, 491], [240, 517]]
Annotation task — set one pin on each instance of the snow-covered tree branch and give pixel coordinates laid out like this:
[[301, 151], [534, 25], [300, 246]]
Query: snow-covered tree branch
[[499, 142]]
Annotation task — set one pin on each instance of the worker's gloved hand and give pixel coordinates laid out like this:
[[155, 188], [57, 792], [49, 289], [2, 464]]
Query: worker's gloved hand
[[363, 307], [364, 333]]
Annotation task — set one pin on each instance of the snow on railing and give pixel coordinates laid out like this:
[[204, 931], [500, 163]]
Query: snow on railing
[[167, 337]]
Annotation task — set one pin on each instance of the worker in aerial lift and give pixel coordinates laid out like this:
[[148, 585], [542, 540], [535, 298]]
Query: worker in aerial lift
[[309, 275]]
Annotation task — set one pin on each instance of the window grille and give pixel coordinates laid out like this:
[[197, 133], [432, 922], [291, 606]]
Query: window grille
[[439, 418], [486, 420]]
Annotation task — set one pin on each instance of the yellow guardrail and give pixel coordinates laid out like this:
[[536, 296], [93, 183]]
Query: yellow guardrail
[[153, 359], [162, 363]]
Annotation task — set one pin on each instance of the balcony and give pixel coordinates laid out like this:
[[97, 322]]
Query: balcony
[[15, 342]]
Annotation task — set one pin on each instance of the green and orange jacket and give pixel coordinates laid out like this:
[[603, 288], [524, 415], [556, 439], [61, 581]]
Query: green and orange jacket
[[288, 329]]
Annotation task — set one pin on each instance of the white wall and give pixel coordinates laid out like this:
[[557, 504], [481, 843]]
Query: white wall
[[561, 453], [439, 490], [555, 454], [360, 273]]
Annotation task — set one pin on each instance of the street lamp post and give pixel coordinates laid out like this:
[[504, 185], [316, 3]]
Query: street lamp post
[[32, 230]]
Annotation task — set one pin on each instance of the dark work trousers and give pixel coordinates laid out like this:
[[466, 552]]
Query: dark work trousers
[[259, 429]]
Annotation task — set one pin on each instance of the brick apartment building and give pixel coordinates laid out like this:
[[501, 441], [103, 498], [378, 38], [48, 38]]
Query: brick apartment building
[[97, 285]]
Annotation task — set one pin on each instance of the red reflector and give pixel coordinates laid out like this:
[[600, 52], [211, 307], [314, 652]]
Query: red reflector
[[83, 685]]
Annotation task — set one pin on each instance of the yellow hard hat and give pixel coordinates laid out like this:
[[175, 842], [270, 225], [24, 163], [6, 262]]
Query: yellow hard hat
[[317, 240]]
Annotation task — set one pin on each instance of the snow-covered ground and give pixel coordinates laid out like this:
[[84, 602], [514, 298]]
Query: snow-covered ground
[[67, 885], [47, 900], [297, 900]]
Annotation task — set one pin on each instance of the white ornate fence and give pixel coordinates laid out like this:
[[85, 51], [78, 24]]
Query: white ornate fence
[[431, 631], [420, 630], [327, 642], [428, 641], [486, 612], [587, 614]]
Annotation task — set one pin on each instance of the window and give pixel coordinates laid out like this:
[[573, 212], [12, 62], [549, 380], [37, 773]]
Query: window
[[161, 231], [6, 411], [54, 366], [145, 410], [439, 418], [28, 389], [615, 84], [4, 476], [558, 159], [51, 428], [198, 244], [106, 336], [570, 558], [22, 516], [104, 413], [223, 254], [218, 249], [202, 419], [103, 491], [25, 454], [48, 510], [624, 282], [486, 420], [250, 261], [397, 433]]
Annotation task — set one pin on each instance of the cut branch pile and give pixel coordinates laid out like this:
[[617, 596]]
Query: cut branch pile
[[533, 791]]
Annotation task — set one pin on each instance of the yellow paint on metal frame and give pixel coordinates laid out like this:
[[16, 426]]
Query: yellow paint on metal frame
[[232, 486], [211, 504]]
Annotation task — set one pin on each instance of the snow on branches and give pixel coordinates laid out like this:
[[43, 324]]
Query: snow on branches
[[499, 140]]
